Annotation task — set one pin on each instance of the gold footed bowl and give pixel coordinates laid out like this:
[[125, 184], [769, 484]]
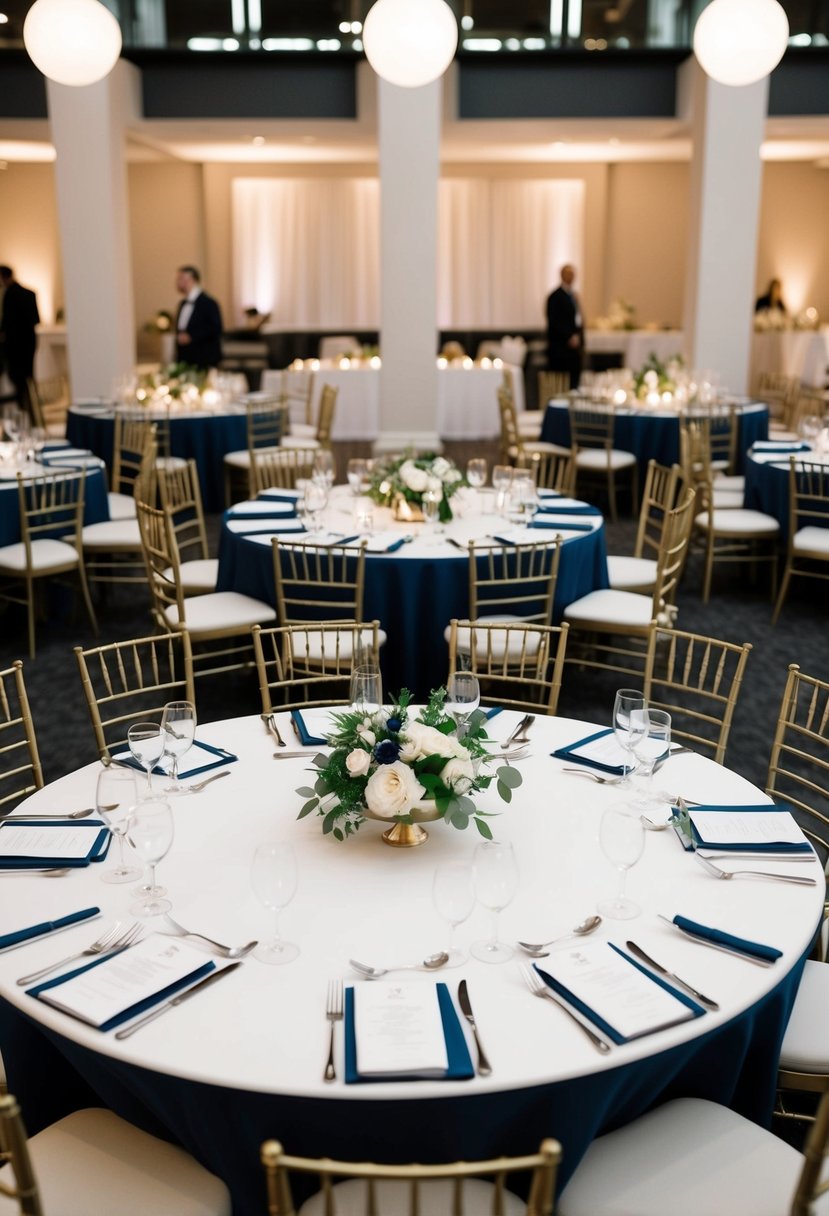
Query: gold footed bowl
[[408, 835]]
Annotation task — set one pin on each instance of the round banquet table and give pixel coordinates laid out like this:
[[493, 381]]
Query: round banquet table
[[415, 591], [55, 457], [245, 1060], [767, 483], [194, 435], [653, 433]]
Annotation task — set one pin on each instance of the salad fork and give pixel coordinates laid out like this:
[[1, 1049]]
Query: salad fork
[[116, 938], [334, 1014], [537, 987]]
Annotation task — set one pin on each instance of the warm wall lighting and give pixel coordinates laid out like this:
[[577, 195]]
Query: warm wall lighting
[[410, 42], [74, 42], [738, 42]]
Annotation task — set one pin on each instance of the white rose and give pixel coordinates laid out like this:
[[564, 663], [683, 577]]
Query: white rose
[[416, 479], [358, 762], [458, 774], [651, 379], [435, 485], [440, 467], [392, 789], [420, 740], [367, 734]]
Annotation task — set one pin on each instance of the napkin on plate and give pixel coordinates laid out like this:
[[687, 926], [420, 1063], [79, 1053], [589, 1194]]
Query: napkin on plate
[[247, 526], [763, 844], [197, 753], [92, 848], [306, 736], [279, 496], [460, 1062], [20, 936], [721, 938], [385, 542]]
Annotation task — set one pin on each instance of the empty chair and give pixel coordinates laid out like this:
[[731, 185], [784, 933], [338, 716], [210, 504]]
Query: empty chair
[[638, 573], [180, 496], [49, 400], [781, 394], [20, 770], [112, 548], [554, 471], [306, 435], [132, 681], [51, 521], [703, 463], [697, 679], [515, 449], [305, 665], [518, 665], [133, 435], [808, 544], [282, 469], [267, 423], [550, 385], [591, 435]]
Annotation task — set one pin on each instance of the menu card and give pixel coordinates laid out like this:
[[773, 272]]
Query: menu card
[[399, 1030], [59, 842], [742, 828], [600, 750]]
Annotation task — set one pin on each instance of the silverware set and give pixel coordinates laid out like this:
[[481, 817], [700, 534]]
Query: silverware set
[[114, 939], [176, 1000], [174, 929], [521, 734], [537, 987], [270, 725], [799, 879]]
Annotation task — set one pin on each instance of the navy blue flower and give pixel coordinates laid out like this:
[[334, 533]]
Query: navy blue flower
[[387, 751], [394, 725]]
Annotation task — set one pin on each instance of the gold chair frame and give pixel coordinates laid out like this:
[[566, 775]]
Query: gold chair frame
[[282, 468], [808, 507], [552, 384], [313, 661], [179, 493], [514, 582], [49, 400], [514, 448], [14, 1151], [802, 739], [20, 771], [518, 664], [591, 429], [267, 421], [110, 561], [552, 471], [316, 584]]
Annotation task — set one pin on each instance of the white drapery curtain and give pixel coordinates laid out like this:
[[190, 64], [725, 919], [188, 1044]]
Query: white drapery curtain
[[307, 250]]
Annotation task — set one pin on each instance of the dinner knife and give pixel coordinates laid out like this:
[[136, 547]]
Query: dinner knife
[[704, 941], [484, 1066], [651, 962], [176, 1000]]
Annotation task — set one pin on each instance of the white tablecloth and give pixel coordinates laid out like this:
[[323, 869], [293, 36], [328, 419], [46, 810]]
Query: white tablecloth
[[636, 345], [801, 353]]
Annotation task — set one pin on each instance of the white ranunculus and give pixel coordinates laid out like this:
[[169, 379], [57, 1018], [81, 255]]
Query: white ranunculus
[[421, 740], [458, 774], [392, 789], [440, 467], [358, 762], [414, 478]]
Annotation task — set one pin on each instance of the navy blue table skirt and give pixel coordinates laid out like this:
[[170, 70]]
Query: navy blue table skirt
[[735, 1065], [414, 598], [95, 509], [654, 436]]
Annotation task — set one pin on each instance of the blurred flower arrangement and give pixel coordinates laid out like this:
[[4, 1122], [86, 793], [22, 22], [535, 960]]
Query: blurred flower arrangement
[[654, 378], [621, 316], [409, 477]]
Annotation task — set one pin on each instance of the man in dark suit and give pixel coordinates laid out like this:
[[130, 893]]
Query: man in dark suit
[[565, 331], [17, 333], [199, 322]]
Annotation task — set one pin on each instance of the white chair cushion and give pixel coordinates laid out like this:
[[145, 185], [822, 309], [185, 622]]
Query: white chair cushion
[[297, 443], [529, 423], [393, 1199], [631, 573], [687, 1158], [310, 645], [239, 460], [92, 1161], [197, 576], [806, 1042], [121, 506], [118, 533], [739, 523], [812, 540], [540, 445], [496, 642], [169, 463], [46, 554], [727, 500], [221, 611], [723, 482], [599, 459], [303, 430], [611, 607]]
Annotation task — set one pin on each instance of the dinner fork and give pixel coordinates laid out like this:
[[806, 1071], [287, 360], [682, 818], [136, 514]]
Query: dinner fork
[[800, 879], [199, 786], [334, 1014], [116, 938], [537, 987], [173, 928]]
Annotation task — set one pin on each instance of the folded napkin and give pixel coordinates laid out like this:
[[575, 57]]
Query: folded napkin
[[197, 755], [496, 709], [460, 1063], [721, 938], [385, 542], [19, 936], [598, 756], [262, 510], [799, 846], [778, 445], [71, 462], [305, 735], [566, 506], [246, 526], [97, 842], [279, 496], [560, 525]]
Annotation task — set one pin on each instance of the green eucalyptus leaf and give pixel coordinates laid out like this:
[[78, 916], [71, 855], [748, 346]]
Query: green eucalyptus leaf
[[483, 828], [309, 806]]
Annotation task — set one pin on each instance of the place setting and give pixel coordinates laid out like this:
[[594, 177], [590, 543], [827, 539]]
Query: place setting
[[150, 745]]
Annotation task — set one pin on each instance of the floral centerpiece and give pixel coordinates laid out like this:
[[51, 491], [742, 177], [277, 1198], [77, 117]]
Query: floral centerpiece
[[655, 378], [405, 479], [391, 766]]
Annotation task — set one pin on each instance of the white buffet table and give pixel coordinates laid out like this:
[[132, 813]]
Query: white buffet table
[[793, 352]]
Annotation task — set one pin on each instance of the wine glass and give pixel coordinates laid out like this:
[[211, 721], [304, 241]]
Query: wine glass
[[178, 722], [463, 696], [115, 797], [324, 468], [650, 748], [501, 481], [496, 882], [366, 689], [146, 740], [453, 894], [629, 724], [315, 500], [622, 838], [522, 497], [430, 506], [476, 470], [273, 878], [151, 834], [356, 473]]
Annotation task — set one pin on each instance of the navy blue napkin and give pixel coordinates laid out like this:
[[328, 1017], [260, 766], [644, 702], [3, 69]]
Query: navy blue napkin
[[97, 850], [224, 757], [46, 927], [570, 753], [236, 513], [460, 1067], [560, 525], [719, 937], [302, 730], [280, 495], [743, 846], [548, 506], [496, 709]]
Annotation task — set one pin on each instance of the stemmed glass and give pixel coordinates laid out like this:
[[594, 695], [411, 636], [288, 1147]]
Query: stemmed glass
[[151, 834], [366, 689], [178, 722], [496, 882], [476, 470], [622, 837], [315, 500], [324, 468], [501, 481], [147, 740], [453, 894], [463, 696], [356, 473], [430, 506], [630, 724], [273, 877], [650, 748], [116, 795]]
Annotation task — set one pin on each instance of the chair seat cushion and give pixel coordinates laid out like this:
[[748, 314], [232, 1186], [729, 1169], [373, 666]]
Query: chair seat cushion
[[729, 482], [93, 1161], [631, 573], [812, 540], [687, 1158], [541, 446], [297, 443], [600, 460], [197, 576], [221, 612], [394, 1199], [46, 555], [806, 1042], [738, 523], [612, 608], [169, 463], [529, 423], [310, 645], [113, 533], [121, 506], [497, 642], [727, 500]]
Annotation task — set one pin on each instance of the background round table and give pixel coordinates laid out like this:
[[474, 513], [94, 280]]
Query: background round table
[[244, 1060], [767, 484], [95, 508]]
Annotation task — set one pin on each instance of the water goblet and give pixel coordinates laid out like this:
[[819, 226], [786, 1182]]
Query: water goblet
[[116, 795], [476, 470], [501, 481], [314, 501], [273, 878], [324, 468], [151, 834], [463, 696], [496, 882], [147, 743], [629, 724], [356, 473], [653, 745], [178, 722], [430, 506], [453, 894], [622, 839], [366, 689]]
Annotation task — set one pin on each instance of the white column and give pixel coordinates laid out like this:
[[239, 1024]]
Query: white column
[[409, 142], [88, 130], [727, 127]]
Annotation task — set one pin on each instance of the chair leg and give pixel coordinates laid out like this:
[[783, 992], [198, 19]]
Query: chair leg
[[611, 490], [30, 615], [90, 611], [709, 568], [784, 589]]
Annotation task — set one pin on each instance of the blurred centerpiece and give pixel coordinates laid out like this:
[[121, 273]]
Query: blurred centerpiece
[[400, 482]]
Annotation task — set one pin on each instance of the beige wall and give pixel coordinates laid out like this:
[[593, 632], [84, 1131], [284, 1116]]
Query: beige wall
[[794, 234], [29, 226]]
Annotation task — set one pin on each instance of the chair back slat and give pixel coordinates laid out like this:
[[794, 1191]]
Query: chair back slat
[[552, 470], [311, 665], [281, 469], [799, 762], [318, 584], [328, 403], [14, 1149], [20, 769], [519, 665], [514, 580], [662, 485], [180, 496]]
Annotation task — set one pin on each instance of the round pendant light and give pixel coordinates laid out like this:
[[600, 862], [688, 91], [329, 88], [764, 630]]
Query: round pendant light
[[73, 42], [738, 42], [410, 42]]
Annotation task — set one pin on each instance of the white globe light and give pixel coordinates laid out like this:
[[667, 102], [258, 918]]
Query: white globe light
[[738, 42], [410, 42], [72, 41]]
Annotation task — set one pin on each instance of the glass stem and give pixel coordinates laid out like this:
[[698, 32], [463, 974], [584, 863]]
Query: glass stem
[[623, 876], [495, 921], [174, 773], [277, 940], [120, 838], [150, 778], [453, 932], [152, 875]]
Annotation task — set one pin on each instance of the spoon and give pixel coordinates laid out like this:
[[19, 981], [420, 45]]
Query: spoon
[[90, 810], [51, 872], [582, 930], [431, 963]]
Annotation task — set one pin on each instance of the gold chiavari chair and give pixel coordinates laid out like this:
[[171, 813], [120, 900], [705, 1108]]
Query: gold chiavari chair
[[808, 544], [638, 573], [307, 665], [180, 496], [133, 436], [710, 1160], [282, 469], [267, 423], [515, 449], [82, 1162], [518, 665], [591, 436], [553, 471], [313, 437], [20, 770], [781, 394], [112, 548], [51, 523], [552, 384], [132, 681], [349, 1188], [49, 400], [697, 679]]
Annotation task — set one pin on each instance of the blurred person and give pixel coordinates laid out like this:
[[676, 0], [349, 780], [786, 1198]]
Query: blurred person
[[17, 334], [198, 323], [772, 299], [565, 329]]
